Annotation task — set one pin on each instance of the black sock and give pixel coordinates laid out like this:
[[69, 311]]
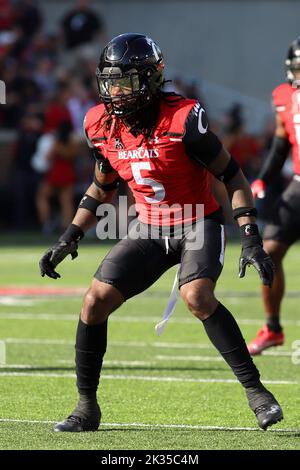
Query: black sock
[[90, 348], [273, 324], [224, 333]]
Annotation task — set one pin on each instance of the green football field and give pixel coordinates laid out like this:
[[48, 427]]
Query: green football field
[[167, 392]]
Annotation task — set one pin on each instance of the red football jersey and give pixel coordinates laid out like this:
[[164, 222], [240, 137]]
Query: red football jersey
[[286, 100], [158, 169]]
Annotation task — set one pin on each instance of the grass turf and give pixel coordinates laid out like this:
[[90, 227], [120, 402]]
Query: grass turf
[[171, 392]]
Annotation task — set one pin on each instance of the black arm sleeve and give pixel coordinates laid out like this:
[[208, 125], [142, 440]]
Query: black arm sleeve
[[276, 158], [102, 162], [201, 144]]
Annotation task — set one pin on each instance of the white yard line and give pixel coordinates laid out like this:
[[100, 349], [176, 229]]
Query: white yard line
[[117, 362], [37, 316], [128, 363], [141, 344], [190, 358], [15, 301], [277, 353], [137, 344], [37, 341], [139, 377], [157, 426], [128, 319], [18, 366]]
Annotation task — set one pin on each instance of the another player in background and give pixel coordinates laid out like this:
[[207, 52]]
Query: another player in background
[[161, 145], [283, 228]]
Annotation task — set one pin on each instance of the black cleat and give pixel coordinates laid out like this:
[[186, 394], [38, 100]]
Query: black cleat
[[75, 423], [265, 407], [267, 415]]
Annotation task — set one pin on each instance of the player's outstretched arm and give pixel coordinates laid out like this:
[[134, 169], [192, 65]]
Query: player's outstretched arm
[[239, 191], [274, 162], [101, 190], [203, 146]]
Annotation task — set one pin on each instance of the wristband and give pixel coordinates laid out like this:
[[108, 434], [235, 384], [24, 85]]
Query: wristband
[[72, 234], [244, 212]]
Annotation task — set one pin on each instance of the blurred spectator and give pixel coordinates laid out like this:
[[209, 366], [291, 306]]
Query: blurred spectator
[[28, 17], [79, 104], [21, 91], [244, 148], [192, 91], [45, 46], [57, 111], [18, 26], [7, 15], [59, 180], [176, 85], [80, 25], [24, 179], [44, 77], [7, 21]]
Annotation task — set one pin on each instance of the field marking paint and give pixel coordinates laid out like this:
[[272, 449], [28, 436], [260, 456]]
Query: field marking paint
[[116, 362], [40, 291], [277, 353], [141, 344], [15, 301], [190, 358], [127, 363], [137, 344], [18, 366], [2, 353], [37, 316], [162, 426], [38, 341], [143, 378], [127, 319]]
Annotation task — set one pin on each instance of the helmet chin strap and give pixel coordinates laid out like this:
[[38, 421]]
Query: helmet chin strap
[[143, 120]]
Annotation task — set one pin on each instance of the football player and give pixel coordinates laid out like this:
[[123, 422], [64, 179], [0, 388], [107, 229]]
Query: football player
[[283, 228], [161, 145]]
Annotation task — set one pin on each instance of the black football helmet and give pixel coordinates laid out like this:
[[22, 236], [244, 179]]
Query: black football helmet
[[293, 61], [129, 74]]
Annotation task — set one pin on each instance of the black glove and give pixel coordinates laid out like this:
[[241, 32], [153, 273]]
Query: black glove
[[66, 245], [253, 254]]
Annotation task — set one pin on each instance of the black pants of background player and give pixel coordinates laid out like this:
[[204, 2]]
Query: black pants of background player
[[284, 222]]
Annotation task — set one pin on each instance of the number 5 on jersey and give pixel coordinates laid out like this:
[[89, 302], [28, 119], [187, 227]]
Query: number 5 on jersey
[[157, 188]]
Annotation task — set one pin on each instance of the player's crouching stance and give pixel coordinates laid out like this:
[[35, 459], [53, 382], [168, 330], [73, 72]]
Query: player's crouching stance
[[161, 145]]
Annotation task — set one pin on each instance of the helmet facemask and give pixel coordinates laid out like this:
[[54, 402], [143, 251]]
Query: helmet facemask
[[293, 73], [292, 64], [126, 93]]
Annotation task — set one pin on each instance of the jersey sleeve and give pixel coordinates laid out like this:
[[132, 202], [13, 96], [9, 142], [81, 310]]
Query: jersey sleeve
[[102, 162], [201, 144]]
